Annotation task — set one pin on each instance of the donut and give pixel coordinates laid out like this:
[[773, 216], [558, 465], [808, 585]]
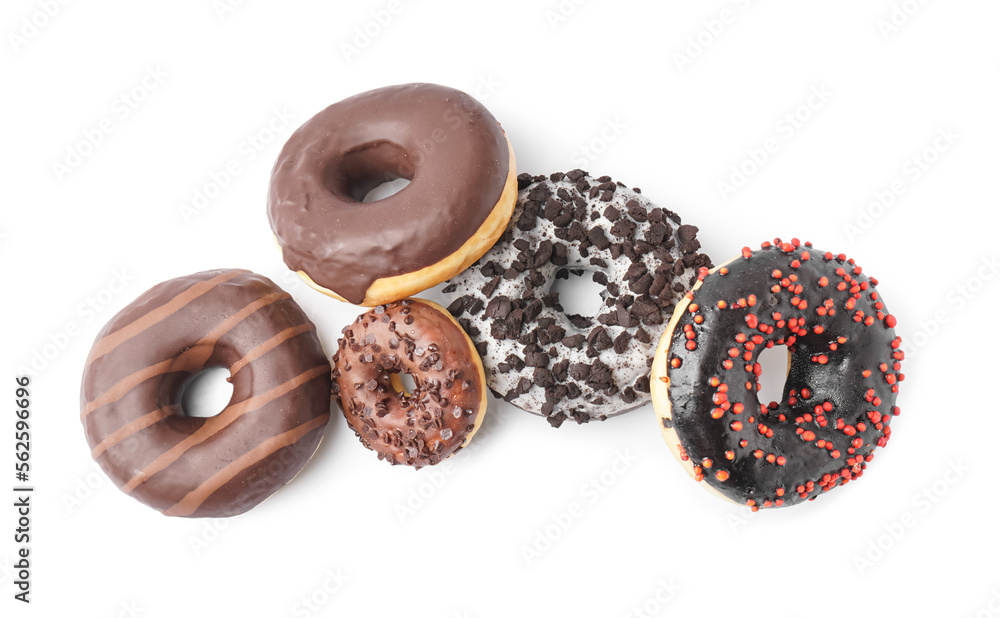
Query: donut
[[572, 366], [141, 361], [462, 191], [448, 401], [840, 390]]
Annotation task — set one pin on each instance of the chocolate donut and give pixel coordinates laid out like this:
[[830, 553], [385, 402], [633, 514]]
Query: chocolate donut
[[839, 394], [462, 191], [448, 401], [571, 366], [222, 465]]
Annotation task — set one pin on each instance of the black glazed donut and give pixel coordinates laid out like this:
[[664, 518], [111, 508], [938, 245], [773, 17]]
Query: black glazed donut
[[570, 366], [839, 395]]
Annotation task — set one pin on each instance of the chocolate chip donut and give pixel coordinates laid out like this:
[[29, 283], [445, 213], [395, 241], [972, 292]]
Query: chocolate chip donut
[[448, 402], [839, 394], [222, 465], [461, 194], [571, 366]]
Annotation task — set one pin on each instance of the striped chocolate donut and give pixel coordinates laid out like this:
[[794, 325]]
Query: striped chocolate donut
[[222, 465]]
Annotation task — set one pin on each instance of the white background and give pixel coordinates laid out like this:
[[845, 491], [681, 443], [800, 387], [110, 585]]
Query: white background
[[666, 96]]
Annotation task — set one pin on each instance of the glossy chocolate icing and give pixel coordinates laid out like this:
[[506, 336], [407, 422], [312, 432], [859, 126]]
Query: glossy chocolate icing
[[444, 141], [222, 465], [446, 406], [840, 390]]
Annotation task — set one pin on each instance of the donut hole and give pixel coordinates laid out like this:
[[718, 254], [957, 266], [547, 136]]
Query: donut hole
[[774, 367], [578, 295], [386, 189], [403, 383], [370, 173], [206, 393]]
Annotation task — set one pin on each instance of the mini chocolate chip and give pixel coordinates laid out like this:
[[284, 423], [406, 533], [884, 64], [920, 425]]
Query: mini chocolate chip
[[644, 306], [597, 237], [491, 287], [621, 342], [543, 377], [642, 285], [579, 371], [515, 361], [475, 306], [636, 211], [686, 233], [642, 384], [457, 306], [600, 376], [498, 307], [536, 359], [642, 336], [628, 395]]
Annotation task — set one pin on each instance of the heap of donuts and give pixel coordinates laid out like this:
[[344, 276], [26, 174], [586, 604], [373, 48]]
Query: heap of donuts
[[671, 328]]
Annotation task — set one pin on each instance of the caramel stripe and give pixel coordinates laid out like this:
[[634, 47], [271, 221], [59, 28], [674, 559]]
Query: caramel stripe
[[135, 426], [126, 384], [112, 341], [194, 498], [220, 422], [269, 345], [230, 322]]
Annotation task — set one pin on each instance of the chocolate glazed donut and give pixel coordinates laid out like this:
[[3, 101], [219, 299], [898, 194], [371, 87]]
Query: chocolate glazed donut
[[222, 465], [448, 403], [840, 391], [461, 195]]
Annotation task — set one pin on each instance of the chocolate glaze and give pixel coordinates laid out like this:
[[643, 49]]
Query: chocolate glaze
[[226, 464], [443, 140], [419, 338], [791, 458]]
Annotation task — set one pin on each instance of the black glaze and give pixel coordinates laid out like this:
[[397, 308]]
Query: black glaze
[[840, 381]]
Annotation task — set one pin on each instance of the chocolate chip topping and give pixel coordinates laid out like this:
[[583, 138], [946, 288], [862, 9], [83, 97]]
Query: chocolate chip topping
[[567, 226], [435, 419]]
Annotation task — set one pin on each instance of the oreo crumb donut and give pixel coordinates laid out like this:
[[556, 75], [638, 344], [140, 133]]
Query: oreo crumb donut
[[222, 465], [839, 394], [448, 402], [461, 194], [571, 366]]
